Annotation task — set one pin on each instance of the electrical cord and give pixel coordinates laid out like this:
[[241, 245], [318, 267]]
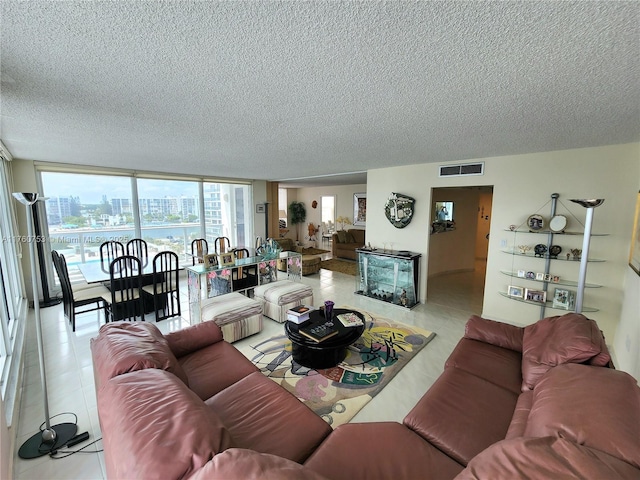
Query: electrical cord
[[54, 453], [67, 453]]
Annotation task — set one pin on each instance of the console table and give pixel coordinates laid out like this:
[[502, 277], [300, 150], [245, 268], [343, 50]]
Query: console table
[[204, 283], [391, 276]]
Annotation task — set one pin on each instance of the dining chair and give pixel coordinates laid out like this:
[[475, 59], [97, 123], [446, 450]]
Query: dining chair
[[222, 245], [243, 277], [165, 288], [124, 300], [109, 251], [74, 298], [137, 247], [199, 248]]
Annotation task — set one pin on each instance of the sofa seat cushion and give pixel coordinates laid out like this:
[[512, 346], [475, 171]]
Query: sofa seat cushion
[[153, 426], [243, 464], [495, 364], [122, 347], [570, 338], [384, 450], [593, 406], [462, 414], [215, 367], [264, 417], [545, 458]]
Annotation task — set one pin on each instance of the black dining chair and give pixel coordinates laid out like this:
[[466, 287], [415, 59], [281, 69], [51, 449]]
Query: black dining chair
[[124, 300], [165, 289], [243, 277], [199, 248], [109, 251], [74, 299], [137, 247], [222, 245]]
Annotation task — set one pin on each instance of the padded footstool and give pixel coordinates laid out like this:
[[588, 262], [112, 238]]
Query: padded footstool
[[278, 297], [310, 264], [236, 315]]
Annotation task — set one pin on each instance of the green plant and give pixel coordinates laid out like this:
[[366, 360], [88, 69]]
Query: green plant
[[297, 215]]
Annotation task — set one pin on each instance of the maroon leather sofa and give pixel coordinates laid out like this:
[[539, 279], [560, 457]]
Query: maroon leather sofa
[[541, 401]]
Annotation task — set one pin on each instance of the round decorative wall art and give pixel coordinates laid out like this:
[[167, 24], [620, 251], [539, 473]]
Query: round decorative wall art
[[399, 209]]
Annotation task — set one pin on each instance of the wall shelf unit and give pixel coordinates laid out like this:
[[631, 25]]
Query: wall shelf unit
[[534, 251]]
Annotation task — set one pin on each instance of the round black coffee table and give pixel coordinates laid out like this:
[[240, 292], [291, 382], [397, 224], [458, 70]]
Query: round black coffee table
[[329, 352]]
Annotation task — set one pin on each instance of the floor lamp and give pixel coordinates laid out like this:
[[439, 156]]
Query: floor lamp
[[590, 205], [51, 437]]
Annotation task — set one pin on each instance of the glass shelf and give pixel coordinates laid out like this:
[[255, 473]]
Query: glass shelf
[[568, 283], [547, 304], [561, 257], [547, 232]]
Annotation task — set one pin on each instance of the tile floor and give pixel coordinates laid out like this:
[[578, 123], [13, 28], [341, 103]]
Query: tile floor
[[70, 375]]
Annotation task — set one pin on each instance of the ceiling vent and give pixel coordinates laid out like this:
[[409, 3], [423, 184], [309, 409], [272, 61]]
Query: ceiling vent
[[463, 169]]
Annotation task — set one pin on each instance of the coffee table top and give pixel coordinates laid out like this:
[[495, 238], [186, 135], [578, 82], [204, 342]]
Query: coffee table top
[[346, 335]]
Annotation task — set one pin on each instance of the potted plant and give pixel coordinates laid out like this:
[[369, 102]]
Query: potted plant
[[297, 215]]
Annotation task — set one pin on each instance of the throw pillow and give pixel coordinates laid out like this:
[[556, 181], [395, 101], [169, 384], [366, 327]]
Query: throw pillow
[[350, 238], [123, 347], [571, 338], [495, 333], [342, 236]]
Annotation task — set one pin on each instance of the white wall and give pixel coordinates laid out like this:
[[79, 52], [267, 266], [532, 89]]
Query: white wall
[[523, 185]]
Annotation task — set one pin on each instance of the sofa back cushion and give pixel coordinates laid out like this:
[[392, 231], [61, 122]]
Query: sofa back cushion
[[592, 406], [153, 426], [123, 347], [188, 340], [495, 333], [545, 458], [571, 338], [342, 236]]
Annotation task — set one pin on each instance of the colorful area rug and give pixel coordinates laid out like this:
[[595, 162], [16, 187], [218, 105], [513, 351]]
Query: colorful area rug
[[337, 394], [342, 266]]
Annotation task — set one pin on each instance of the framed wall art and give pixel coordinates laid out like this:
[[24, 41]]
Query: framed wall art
[[634, 253], [360, 209]]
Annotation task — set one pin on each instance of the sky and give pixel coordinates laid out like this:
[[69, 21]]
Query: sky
[[91, 188]]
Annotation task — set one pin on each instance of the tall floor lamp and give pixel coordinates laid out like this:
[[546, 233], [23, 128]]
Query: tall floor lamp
[[51, 437], [590, 204]]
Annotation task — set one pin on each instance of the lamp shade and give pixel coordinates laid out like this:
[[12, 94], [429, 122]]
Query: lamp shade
[[588, 202], [282, 214]]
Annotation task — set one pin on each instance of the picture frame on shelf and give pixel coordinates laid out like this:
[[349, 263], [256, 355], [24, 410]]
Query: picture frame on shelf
[[359, 209], [564, 298], [226, 259], [547, 277], [210, 260], [540, 276], [515, 291], [634, 251], [530, 275], [555, 278], [537, 296], [522, 273]]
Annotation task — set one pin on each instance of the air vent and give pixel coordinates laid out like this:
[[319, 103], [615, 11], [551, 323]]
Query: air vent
[[464, 169]]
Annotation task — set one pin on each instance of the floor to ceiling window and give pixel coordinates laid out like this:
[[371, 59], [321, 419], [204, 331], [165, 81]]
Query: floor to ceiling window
[[84, 210]]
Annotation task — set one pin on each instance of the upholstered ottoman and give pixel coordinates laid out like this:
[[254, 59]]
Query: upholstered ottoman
[[310, 264], [236, 315], [278, 297]]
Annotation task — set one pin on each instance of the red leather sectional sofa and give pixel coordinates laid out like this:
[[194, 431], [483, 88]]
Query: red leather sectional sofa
[[541, 401]]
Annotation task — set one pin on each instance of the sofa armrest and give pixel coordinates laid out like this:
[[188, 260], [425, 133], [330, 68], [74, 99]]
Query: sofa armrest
[[495, 333], [195, 337]]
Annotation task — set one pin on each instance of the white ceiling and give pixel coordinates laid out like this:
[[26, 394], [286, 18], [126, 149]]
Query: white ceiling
[[280, 90]]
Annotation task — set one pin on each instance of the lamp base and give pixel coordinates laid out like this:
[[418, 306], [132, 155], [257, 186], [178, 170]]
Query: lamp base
[[50, 302], [35, 447]]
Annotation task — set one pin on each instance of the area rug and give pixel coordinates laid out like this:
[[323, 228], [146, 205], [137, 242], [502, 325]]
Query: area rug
[[342, 266], [337, 394]]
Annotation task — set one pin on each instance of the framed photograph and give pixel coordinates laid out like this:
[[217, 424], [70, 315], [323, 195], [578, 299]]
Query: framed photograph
[[547, 277], [261, 208], [530, 275], [540, 277], [538, 296], [555, 279], [227, 259], [210, 260], [634, 253], [360, 209], [515, 291], [563, 298], [521, 273]]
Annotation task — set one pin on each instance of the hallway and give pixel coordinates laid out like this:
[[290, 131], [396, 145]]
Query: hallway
[[460, 290]]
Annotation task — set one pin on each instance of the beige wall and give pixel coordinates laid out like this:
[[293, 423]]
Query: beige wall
[[523, 185]]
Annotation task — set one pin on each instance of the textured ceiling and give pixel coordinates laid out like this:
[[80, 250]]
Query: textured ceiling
[[285, 90]]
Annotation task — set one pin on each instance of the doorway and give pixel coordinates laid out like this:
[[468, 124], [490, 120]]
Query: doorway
[[458, 246], [328, 209]]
